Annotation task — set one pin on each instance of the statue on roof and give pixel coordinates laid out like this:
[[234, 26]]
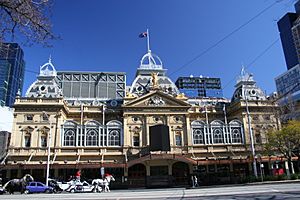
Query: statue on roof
[[154, 79]]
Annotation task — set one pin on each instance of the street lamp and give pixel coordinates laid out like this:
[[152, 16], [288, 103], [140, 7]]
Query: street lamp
[[250, 131], [49, 143], [207, 123]]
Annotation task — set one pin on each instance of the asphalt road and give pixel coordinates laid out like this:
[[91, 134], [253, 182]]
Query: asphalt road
[[285, 191]]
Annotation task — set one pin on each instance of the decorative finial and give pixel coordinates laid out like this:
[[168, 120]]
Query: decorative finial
[[50, 58], [243, 70]]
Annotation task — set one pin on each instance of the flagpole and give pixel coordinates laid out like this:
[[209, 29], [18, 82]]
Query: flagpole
[[148, 40]]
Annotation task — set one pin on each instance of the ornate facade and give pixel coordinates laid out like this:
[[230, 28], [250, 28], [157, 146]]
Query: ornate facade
[[156, 137]]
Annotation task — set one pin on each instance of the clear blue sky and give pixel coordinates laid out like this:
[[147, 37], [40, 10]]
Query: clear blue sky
[[103, 36]]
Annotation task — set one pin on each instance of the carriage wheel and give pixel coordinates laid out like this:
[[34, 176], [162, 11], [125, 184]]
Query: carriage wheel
[[48, 191]]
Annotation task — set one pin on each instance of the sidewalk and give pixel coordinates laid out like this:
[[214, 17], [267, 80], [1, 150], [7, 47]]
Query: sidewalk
[[245, 184]]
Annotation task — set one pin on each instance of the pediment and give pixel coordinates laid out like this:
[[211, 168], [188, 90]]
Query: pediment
[[156, 99]]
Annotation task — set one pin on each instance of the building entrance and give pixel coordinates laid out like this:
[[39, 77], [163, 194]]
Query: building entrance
[[137, 176], [180, 173]]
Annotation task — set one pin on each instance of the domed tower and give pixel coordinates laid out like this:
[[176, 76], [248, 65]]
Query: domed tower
[[45, 86], [151, 67], [246, 88]]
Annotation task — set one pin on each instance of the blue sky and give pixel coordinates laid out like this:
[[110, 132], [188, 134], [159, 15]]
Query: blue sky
[[103, 36]]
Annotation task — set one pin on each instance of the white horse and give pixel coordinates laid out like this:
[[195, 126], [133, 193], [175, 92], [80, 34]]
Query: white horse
[[104, 183]]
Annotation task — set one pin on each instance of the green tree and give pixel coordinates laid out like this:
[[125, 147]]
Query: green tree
[[285, 141], [26, 19]]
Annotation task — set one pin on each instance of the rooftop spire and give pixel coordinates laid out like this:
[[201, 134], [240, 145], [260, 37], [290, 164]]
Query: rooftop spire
[[48, 69]]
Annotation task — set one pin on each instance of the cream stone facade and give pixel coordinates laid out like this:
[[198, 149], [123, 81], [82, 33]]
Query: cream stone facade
[[157, 137]]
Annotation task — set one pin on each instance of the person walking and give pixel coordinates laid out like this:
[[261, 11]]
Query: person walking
[[196, 181], [77, 175]]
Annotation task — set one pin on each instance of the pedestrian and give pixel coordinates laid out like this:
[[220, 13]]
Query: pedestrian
[[78, 174], [196, 181]]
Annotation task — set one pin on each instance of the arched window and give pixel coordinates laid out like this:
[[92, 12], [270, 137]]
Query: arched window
[[114, 137], [92, 136], [236, 135], [114, 130], [218, 135], [69, 133], [198, 136], [69, 137], [92, 129], [217, 128], [198, 132], [236, 131]]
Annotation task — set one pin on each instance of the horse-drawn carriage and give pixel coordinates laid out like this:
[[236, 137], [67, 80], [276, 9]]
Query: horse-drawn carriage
[[97, 185]]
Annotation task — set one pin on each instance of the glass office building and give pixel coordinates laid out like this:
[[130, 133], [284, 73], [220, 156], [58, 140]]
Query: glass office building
[[12, 68], [199, 86]]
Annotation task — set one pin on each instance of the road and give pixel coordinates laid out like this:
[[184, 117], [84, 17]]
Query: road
[[287, 191]]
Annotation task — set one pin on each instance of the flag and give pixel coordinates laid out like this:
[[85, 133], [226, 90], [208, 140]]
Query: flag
[[142, 35]]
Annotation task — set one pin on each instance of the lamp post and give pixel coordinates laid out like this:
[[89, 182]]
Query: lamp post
[[103, 122], [250, 132], [49, 143]]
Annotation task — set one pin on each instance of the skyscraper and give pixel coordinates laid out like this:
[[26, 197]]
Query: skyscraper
[[288, 83], [289, 28], [12, 67]]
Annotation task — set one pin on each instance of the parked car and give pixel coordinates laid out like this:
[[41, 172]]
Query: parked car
[[37, 187]]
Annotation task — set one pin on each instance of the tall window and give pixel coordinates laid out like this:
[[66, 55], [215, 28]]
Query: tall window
[[198, 132], [93, 132], [136, 140], [114, 129], [236, 130], [69, 133], [236, 135], [27, 140], [217, 127], [218, 135], [114, 138], [178, 140], [43, 141], [69, 138], [198, 136], [92, 137]]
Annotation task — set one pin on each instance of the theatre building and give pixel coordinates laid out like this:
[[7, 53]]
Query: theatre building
[[148, 136]]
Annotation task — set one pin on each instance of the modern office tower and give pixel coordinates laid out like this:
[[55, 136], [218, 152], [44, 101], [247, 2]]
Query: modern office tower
[[285, 26], [12, 67], [288, 83], [200, 86]]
